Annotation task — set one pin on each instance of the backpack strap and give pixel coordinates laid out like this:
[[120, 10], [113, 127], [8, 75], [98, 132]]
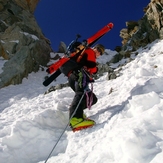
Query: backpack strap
[[82, 49], [79, 49]]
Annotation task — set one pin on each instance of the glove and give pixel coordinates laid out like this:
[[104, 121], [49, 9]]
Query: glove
[[48, 71]]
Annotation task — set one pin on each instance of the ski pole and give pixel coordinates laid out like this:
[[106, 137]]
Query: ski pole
[[65, 127]]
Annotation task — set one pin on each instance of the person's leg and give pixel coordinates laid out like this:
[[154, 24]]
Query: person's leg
[[78, 95], [74, 104]]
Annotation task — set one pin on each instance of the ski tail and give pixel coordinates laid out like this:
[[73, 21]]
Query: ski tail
[[51, 78]]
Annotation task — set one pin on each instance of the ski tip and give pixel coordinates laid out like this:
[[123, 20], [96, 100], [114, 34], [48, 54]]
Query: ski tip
[[110, 25]]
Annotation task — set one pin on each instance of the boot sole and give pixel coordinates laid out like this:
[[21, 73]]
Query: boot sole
[[81, 128]]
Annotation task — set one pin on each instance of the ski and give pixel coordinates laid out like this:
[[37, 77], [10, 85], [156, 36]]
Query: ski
[[91, 40], [57, 64], [52, 78], [54, 68]]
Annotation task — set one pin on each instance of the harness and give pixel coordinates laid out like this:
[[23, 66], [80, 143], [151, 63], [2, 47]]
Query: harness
[[83, 80]]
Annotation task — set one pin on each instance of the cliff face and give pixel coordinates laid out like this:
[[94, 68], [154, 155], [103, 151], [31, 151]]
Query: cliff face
[[146, 30], [27, 4], [22, 43]]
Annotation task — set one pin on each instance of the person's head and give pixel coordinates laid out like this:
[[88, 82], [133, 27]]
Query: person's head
[[99, 49]]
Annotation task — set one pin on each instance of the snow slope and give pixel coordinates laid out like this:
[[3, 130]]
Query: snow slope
[[129, 117]]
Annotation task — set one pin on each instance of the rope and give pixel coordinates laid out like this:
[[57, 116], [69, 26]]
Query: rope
[[65, 128], [90, 99]]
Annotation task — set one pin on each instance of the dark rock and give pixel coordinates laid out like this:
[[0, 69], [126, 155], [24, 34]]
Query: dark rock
[[21, 41]]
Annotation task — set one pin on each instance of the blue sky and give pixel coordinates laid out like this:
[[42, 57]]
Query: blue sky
[[61, 20]]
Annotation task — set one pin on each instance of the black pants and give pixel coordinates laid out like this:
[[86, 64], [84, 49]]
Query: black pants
[[74, 84]]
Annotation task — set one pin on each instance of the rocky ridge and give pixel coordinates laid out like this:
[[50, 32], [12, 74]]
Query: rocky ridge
[[146, 30]]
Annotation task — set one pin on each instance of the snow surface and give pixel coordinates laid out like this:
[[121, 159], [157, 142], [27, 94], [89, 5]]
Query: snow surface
[[129, 117]]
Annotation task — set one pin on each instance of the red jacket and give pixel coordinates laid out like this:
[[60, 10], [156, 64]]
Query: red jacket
[[88, 60]]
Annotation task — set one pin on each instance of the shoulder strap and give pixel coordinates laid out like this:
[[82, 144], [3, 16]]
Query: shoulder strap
[[81, 55]]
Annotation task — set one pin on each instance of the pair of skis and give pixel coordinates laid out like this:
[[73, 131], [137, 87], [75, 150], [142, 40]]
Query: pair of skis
[[54, 69]]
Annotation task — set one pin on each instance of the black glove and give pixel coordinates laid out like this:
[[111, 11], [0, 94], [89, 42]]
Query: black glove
[[48, 71]]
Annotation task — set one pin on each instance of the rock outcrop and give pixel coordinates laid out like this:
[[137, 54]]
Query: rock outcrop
[[138, 34], [22, 43], [146, 30]]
